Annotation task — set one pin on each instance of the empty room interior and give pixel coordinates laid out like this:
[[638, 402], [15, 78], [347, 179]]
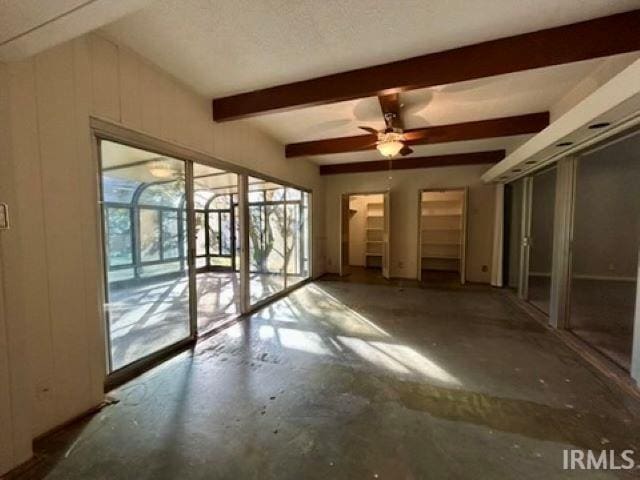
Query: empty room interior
[[266, 239]]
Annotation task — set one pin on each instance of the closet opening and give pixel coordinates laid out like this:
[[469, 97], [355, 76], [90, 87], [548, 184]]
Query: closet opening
[[365, 235], [442, 236]]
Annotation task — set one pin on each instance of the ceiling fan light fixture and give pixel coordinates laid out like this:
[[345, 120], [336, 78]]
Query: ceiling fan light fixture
[[389, 144]]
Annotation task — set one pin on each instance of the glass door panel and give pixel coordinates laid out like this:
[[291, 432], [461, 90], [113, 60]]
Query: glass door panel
[[606, 236], [297, 236], [541, 239], [147, 282], [218, 294], [267, 214]]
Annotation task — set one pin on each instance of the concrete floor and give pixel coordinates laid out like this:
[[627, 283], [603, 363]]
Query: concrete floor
[[155, 314], [350, 380], [540, 292], [602, 313]]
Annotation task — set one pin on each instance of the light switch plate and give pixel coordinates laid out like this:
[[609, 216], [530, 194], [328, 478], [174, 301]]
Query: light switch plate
[[4, 216]]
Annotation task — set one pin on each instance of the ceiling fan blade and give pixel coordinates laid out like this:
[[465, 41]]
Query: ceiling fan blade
[[406, 150], [368, 129]]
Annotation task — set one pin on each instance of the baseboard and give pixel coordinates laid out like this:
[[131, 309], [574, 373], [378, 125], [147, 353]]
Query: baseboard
[[540, 274], [587, 277], [604, 277]]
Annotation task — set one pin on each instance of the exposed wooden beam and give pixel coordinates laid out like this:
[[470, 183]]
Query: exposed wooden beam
[[476, 158], [390, 106], [596, 38], [495, 127]]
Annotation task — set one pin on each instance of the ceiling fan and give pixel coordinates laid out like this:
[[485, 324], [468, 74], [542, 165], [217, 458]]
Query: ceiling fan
[[391, 140]]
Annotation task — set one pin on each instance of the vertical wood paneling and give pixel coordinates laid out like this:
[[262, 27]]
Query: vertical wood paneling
[[55, 98], [57, 252], [130, 91], [15, 394], [6, 415], [87, 178], [105, 78], [181, 125], [167, 99], [27, 176], [151, 98]]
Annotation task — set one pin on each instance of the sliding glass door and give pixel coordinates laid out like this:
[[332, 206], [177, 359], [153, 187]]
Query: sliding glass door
[[145, 243], [172, 241], [541, 239], [606, 237], [278, 238], [215, 194]]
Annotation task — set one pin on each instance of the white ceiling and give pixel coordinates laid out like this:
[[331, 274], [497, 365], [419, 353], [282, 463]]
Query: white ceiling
[[221, 47], [30, 26]]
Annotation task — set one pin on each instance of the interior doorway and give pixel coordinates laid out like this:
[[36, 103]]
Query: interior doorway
[[365, 226], [442, 235]]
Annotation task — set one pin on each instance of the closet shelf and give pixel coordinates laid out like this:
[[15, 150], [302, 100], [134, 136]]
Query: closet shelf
[[451, 244], [442, 257], [369, 254], [427, 215]]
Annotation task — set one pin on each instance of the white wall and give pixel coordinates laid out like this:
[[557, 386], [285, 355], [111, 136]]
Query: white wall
[[54, 246], [405, 185]]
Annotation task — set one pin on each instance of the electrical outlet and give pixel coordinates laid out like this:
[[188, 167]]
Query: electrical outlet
[[329, 262], [400, 264], [611, 267]]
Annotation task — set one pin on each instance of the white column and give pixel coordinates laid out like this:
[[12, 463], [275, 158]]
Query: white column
[[562, 242], [243, 214], [498, 238]]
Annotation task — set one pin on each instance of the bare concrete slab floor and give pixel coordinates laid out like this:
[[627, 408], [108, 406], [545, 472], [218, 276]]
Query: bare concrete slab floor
[[346, 380], [155, 314]]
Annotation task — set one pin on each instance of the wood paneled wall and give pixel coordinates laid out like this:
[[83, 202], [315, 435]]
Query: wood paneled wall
[[54, 265]]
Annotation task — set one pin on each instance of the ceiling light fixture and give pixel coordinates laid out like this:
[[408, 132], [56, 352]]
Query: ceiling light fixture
[[161, 170], [599, 125], [389, 144]]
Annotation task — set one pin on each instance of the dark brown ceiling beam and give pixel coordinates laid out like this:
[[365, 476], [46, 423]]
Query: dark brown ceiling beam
[[390, 106], [476, 158], [457, 132], [596, 38]]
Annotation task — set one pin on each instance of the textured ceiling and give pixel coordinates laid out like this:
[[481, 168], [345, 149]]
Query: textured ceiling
[[30, 26], [221, 47]]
